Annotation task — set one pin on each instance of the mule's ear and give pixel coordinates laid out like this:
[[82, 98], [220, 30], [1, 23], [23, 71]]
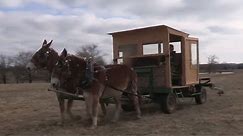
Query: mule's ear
[[44, 43], [49, 44], [64, 53]]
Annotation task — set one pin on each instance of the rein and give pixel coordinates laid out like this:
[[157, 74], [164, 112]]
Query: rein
[[112, 87]]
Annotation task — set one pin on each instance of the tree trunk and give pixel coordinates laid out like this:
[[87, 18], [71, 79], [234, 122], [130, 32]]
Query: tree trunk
[[30, 77], [4, 79]]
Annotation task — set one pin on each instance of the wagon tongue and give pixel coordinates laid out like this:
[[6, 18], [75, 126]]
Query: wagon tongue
[[52, 88]]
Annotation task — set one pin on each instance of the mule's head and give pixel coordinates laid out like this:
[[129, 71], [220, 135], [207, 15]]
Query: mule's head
[[45, 57], [59, 70], [68, 70]]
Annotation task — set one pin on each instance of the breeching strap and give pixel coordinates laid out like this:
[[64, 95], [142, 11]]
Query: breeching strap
[[112, 87]]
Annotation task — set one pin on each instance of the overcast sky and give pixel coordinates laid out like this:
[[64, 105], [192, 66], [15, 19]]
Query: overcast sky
[[72, 23]]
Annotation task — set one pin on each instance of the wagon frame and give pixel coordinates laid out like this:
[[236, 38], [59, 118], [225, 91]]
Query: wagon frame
[[163, 76]]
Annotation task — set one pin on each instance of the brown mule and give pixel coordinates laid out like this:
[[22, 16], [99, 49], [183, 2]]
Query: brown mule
[[96, 83], [46, 58]]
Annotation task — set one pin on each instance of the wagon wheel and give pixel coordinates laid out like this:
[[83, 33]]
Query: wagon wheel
[[201, 98], [168, 103]]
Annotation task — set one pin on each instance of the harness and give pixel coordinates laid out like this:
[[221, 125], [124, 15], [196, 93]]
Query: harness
[[89, 78], [88, 74]]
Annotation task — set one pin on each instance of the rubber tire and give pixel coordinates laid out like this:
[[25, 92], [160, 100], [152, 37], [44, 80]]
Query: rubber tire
[[202, 98], [127, 107], [168, 103]]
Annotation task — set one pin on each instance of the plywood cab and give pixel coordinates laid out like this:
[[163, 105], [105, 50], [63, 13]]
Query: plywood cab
[[149, 47]]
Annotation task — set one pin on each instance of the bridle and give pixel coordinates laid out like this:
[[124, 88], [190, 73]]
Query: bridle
[[43, 62]]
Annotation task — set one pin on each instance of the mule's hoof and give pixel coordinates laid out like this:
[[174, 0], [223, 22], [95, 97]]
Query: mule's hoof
[[139, 116], [102, 116], [114, 120], [76, 118], [93, 127], [60, 123], [72, 117]]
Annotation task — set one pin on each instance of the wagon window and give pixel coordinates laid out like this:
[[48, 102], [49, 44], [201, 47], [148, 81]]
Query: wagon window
[[120, 54], [120, 57], [177, 46], [120, 61], [127, 50], [194, 60], [155, 48]]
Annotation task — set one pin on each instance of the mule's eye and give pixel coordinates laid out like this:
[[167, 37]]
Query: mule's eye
[[66, 61]]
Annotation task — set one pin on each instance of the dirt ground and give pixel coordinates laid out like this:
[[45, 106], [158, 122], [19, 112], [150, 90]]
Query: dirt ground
[[29, 109]]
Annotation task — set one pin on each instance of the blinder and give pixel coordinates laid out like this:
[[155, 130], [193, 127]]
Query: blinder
[[64, 65]]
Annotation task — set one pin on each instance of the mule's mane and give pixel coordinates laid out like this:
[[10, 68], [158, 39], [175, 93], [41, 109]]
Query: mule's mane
[[77, 58], [53, 50], [76, 61]]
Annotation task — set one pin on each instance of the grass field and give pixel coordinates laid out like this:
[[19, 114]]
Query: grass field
[[29, 109]]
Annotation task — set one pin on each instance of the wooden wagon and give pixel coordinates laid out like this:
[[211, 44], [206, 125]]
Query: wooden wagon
[[164, 74]]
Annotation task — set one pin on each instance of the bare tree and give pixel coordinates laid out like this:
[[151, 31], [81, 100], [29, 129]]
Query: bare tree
[[212, 61], [4, 65], [23, 58], [20, 62], [92, 51]]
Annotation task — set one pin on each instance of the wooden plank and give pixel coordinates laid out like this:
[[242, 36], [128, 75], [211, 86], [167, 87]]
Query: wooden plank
[[80, 97], [179, 87]]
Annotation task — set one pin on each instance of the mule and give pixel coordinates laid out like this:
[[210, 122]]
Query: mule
[[96, 83], [46, 58]]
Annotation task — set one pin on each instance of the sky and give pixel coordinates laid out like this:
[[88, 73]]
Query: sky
[[74, 23]]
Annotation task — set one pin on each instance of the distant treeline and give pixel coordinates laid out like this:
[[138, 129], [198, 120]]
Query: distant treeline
[[21, 75], [220, 67]]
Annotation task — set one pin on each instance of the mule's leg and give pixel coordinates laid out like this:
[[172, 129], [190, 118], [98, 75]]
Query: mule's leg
[[136, 99], [62, 107], [88, 104], [136, 106], [69, 107], [95, 107], [103, 108], [118, 109]]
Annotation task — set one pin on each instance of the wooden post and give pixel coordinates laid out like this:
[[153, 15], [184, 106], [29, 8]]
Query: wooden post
[[115, 50], [183, 44], [198, 70], [159, 48], [166, 49]]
